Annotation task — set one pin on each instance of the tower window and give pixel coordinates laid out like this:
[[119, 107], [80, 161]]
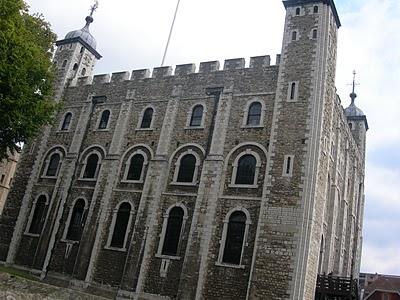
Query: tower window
[[75, 67], [91, 166], [314, 33], [147, 118], [197, 116], [2, 178], [82, 49], [121, 225], [173, 232], [288, 165], [105, 116], [54, 162], [64, 64], [246, 170], [315, 9], [39, 216], [76, 221], [293, 91], [67, 121], [187, 168], [298, 11], [294, 36], [83, 72], [234, 241], [135, 167], [254, 114]]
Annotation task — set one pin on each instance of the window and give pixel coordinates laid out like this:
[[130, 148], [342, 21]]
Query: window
[[105, 115], [82, 49], [2, 178], [173, 232], [294, 36], [315, 9], [121, 225], [351, 126], [187, 168], [147, 118], [254, 114], [75, 67], [76, 221], [39, 215], [83, 72], [288, 165], [64, 64], [314, 33], [197, 116], [234, 241], [298, 11], [135, 167], [52, 168], [67, 121], [92, 163], [293, 90], [246, 169]]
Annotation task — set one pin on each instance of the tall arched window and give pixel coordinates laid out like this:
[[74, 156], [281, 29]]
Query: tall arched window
[[91, 166], [39, 215], [147, 118], [135, 167], [121, 225], [76, 221], [187, 168], [54, 163], [104, 119], [234, 240], [197, 116], [294, 35], [66, 121], [292, 90], [246, 170], [254, 114], [173, 232]]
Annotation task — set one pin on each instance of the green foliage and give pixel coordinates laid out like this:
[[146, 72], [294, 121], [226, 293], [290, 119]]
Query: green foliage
[[26, 74]]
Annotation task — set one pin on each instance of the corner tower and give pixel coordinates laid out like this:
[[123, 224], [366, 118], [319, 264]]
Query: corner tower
[[285, 262], [76, 55]]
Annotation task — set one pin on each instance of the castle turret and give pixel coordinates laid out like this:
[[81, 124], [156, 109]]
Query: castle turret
[[357, 121], [76, 55]]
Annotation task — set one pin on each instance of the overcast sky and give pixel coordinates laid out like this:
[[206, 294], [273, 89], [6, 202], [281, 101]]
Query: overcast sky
[[131, 34]]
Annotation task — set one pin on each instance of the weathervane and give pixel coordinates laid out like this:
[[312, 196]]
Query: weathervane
[[94, 7], [353, 94]]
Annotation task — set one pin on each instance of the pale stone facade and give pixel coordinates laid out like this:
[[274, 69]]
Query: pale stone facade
[[7, 171], [303, 210]]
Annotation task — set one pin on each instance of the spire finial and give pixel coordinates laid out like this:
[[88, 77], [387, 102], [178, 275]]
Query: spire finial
[[89, 19], [353, 94]]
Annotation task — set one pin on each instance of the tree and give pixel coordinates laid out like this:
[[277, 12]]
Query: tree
[[26, 75]]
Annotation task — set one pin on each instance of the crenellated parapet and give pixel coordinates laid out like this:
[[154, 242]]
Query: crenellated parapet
[[255, 63]]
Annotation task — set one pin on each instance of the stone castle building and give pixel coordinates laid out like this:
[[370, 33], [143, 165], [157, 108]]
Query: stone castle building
[[7, 171], [232, 183]]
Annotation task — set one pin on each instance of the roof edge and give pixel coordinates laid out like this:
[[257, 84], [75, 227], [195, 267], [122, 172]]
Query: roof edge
[[331, 3], [358, 118], [80, 40]]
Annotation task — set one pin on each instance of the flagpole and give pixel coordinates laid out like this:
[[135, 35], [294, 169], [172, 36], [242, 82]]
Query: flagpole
[[170, 33]]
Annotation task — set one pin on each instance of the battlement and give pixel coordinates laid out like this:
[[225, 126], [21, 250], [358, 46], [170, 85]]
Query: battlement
[[256, 62]]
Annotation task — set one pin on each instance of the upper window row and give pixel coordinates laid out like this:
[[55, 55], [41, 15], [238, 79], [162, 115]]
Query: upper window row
[[253, 117]]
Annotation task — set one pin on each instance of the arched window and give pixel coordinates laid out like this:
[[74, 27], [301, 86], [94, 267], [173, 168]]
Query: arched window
[[187, 168], [315, 9], [76, 221], [234, 238], [105, 115], [314, 33], [135, 167], [173, 232], [246, 170], [292, 89], [147, 118], [75, 67], [91, 166], [197, 116], [254, 114], [298, 11], [294, 35], [54, 162], [39, 215], [67, 121], [83, 72], [121, 225]]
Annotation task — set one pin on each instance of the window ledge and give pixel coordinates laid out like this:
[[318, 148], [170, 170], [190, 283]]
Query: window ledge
[[252, 126], [69, 241], [63, 131], [168, 256], [194, 127], [144, 129], [105, 129], [31, 234], [183, 183], [87, 179], [244, 186], [115, 249], [220, 264], [294, 100], [131, 181], [48, 177]]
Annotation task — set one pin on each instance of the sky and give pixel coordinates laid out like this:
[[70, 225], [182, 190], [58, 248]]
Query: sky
[[132, 34]]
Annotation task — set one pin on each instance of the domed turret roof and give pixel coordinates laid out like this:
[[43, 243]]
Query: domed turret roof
[[352, 110], [84, 34]]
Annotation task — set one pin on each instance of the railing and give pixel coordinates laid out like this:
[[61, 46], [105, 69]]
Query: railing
[[331, 287]]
